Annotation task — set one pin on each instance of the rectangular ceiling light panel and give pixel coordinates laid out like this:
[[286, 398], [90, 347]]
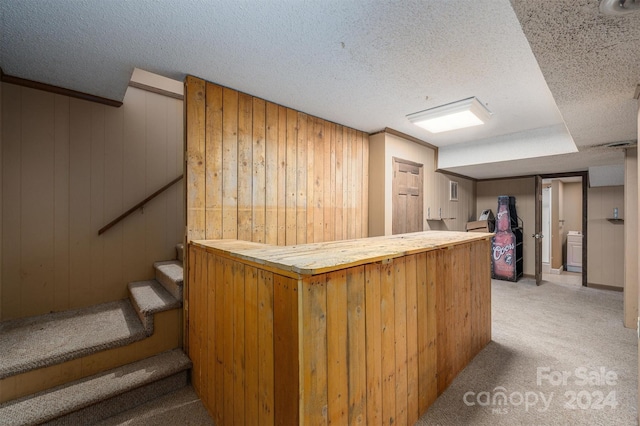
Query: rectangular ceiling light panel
[[456, 115]]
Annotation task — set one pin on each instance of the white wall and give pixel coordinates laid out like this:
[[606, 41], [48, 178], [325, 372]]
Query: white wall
[[70, 166], [382, 148]]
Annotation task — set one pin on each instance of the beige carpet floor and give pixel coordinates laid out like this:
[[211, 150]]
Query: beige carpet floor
[[559, 356], [559, 353]]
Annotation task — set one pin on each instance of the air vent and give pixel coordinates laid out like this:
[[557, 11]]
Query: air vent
[[621, 144], [619, 7]]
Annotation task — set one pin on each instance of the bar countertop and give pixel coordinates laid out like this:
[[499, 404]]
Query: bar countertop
[[319, 258]]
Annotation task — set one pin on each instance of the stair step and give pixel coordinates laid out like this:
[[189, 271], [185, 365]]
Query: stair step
[[150, 297], [103, 395], [180, 252], [169, 273], [180, 407], [31, 343]]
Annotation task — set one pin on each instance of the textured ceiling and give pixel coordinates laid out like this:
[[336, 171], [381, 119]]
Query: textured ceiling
[[591, 63], [362, 63]]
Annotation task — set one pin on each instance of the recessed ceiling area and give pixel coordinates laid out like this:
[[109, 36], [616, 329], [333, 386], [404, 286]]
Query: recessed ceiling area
[[363, 64]]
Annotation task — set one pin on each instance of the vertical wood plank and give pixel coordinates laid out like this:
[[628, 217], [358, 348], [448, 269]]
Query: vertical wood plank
[[229, 163], [314, 347], [195, 150], [387, 316], [285, 325], [271, 169], [357, 346], [349, 189], [444, 324], [202, 330], [426, 372], [358, 185], [433, 260], [97, 205], [401, 339], [113, 176], [11, 204], [221, 272], [113, 202], [194, 308], [346, 150], [301, 179], [283, 155], [318, 180], [80, 232], [238, 343], [373, 343], [464, 304], [156, 139], [413, 411], [292, 176], [337, 358], [329, 182], [252, 367], [213, 162], [259, 202], [210, 353], [364, 191], [266, 345], [338, 191], [245, 166], [228, 411], [311, 177]]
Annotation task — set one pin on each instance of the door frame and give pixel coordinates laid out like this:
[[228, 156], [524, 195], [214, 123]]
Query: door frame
[[396, 161], [538, 208]]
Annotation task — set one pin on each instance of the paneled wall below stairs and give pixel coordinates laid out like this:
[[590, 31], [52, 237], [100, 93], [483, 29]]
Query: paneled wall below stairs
[[69, 167]]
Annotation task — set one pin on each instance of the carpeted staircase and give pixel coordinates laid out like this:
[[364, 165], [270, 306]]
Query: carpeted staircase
[[84, 365]]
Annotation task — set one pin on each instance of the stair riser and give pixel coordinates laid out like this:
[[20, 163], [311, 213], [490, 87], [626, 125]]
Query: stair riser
[[180, 252], [167, 282], [122, 402]]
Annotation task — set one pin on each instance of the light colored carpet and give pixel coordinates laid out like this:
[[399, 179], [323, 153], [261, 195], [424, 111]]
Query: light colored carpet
[[181, 407], [538, 334], [29, 343], [92, 391]]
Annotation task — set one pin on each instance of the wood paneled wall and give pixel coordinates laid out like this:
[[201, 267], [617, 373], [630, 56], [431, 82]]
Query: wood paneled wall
[[257, 171], [70, 166], [371, 344]]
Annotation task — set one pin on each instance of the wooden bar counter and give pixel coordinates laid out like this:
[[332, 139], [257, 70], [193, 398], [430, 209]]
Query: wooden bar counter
[[366, 331]]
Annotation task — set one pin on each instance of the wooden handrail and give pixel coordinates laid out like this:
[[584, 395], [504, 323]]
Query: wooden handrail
[[138, 206]]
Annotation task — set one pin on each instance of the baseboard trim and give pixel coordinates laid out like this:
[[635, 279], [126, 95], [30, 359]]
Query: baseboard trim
[[556, 271], [605, 287]]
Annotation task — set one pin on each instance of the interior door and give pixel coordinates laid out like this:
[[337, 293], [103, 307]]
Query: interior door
[[538, 230], [407, 203]]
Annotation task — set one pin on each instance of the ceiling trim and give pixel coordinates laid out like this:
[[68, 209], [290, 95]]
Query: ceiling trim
[[152, 89], [6, 78], [407, 137], [458, 175]]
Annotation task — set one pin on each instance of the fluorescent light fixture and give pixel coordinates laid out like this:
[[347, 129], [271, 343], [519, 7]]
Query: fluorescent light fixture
[[456, 115]]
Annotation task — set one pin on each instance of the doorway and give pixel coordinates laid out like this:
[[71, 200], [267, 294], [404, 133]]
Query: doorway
[[407, 203], [561, 220]]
